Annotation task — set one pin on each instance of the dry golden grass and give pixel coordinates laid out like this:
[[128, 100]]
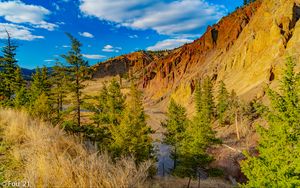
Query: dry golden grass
[[50, 158]]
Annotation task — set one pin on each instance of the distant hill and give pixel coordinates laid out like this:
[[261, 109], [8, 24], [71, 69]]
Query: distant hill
[[27, 73], [134, 63]]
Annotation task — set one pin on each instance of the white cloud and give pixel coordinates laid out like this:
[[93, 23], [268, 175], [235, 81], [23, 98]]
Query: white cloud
[[110, 48], [133, 36], [60, 23], [18, 12], [17, 32], [66, 46], [163, 16], [49, 60], [86, 34], [93, 56], [56, 6], [169, 44]]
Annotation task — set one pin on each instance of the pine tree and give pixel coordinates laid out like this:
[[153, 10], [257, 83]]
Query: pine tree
[[42, 107], [222, 103], [78, 70], [234, 107], [192, 152], [40, 83], [207, 102], [39, 93], [198, 136], [100, 109], [20, 82], [9, 72], [115, 103], [132, 136], [21, 99], [198, 94], [175, 125], [278, 162], [59, 79], [108, 112], [21, 94], [110, 105], [245, 2]]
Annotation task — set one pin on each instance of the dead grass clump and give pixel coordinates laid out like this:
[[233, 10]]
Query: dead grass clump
[[51, 158]]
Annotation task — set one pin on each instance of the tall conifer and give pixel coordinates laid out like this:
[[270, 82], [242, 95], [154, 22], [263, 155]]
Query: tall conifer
[[198, 135], [207, 102], [78, 70], [175, 125], [132, 136], [222, 103], [278, 160], [8, 71], [40, 104], [59, 79], [197, 96]]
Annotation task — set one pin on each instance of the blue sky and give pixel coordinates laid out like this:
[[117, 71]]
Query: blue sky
[[106, 28]]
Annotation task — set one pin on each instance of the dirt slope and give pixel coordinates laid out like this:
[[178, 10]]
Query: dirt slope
[[246, 50]]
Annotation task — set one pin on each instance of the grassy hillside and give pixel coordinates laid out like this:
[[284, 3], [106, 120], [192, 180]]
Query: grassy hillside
[[46, 157], [36, 154]]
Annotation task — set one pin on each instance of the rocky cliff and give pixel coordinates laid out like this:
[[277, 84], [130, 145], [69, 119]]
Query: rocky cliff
[[132, 63], [245, 49]]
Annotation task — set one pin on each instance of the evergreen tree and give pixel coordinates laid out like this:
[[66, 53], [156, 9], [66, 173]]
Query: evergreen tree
[[21, 95], [107, 112], [59, 79], [20, 82], [198, 136], [78, 70], [115, 103], [132, 136], [101, 108], [42, 108], [192, 153], [39, 101], [197, 95], [175, 125], [9, 72], [222, 103], [110, 105], [278, 162], [21, 98], [234, 107], [207, 103], [40, 83]]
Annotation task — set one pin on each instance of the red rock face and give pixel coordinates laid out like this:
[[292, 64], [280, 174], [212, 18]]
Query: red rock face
[[164, 71], [130, 63], [187, 62]]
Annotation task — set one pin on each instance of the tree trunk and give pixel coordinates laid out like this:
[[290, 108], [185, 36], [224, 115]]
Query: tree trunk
[[189, 183], [78, 97]]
